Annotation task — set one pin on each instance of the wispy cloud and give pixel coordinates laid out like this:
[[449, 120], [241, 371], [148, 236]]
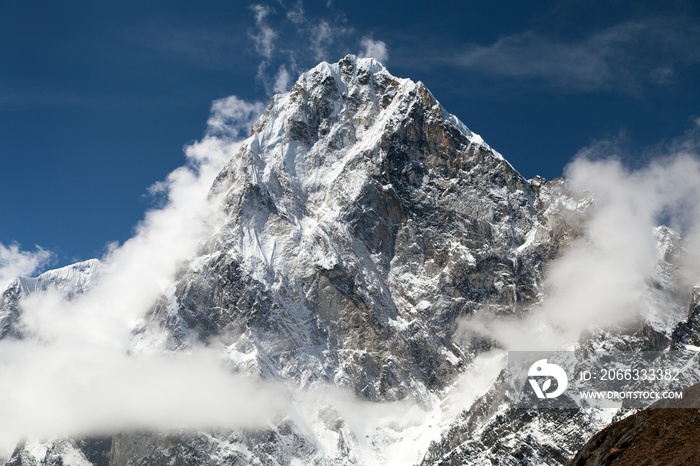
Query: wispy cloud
[[15, 262], [283, 80], [625, 57], [321, 36], [27, 96], [290, 41], [263, 36], [374, 49], [296, 13], [233, 116]]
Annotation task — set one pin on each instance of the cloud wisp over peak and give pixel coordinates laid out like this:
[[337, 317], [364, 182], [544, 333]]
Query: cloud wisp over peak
[[263, 36], [15, 262], [372, 48], [291, 40]]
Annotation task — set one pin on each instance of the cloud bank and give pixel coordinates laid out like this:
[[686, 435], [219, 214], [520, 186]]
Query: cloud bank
[[600, 278], [76, 371]]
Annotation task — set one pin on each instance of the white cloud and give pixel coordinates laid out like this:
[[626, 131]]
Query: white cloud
[[302, 43], [233, 116], [599, 279], [321, 35], [623, 57], [282, 80], [264, 36], [73, 373], [73, 390], [14, 262], [296, 13], [374, 49]]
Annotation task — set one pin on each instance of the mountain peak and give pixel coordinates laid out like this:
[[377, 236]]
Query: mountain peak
[[363, 221], [69, 279], [348, 107], [348, 64], [346, 124], [354, 80]]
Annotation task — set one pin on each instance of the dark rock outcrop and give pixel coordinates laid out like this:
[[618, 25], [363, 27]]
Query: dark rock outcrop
[[665, 434]]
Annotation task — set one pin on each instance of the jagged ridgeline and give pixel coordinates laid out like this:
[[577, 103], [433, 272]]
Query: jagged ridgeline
[[363, 221]]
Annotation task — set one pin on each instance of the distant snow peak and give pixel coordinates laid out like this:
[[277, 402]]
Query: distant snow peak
[[71, 279]]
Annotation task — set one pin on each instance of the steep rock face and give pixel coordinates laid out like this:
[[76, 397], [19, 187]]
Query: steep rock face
[[688, 332], [363, 220], [493, 431]]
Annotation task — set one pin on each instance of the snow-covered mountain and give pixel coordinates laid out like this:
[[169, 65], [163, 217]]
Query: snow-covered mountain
[[71, 280], [363, 222]]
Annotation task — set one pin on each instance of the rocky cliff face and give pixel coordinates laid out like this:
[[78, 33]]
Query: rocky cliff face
[[363, 221]]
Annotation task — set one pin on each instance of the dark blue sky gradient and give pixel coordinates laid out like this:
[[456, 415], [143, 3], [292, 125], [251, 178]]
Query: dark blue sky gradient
[[97, 99]]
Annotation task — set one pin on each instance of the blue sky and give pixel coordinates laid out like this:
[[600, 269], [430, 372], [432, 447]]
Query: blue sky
[[97, 99]]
